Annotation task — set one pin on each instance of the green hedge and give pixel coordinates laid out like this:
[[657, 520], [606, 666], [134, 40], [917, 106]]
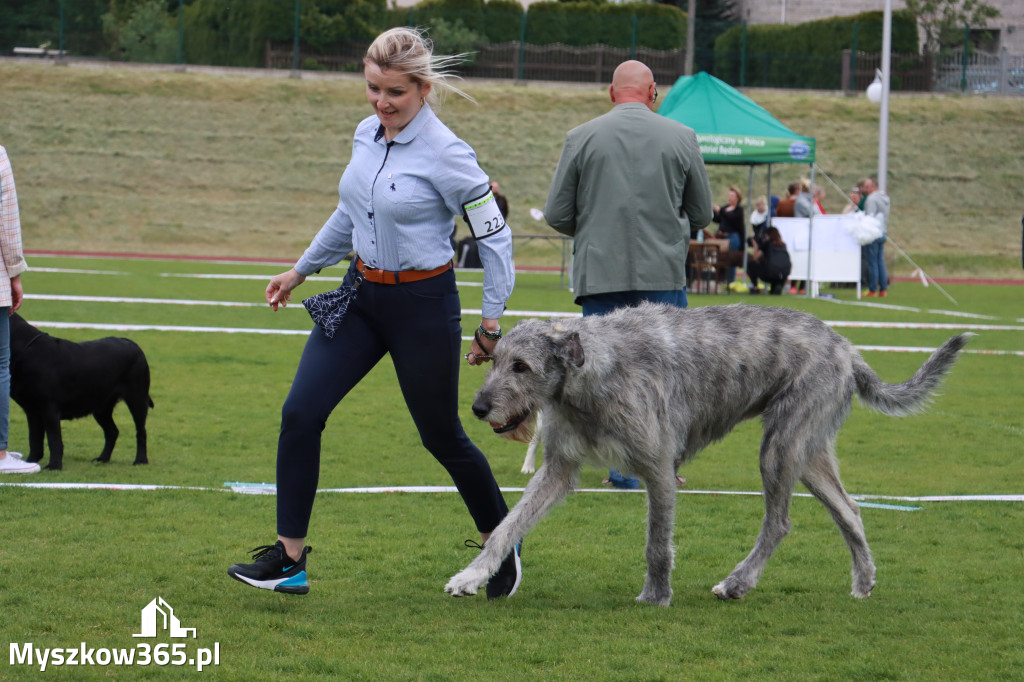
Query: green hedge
[[659, 27], [807, 55]]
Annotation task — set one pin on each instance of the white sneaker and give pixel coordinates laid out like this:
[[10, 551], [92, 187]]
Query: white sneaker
[[15, 465], [15, 455]]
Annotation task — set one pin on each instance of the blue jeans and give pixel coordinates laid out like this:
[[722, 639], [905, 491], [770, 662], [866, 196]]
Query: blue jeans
[[599, 304], [419, 325], [878, 278], [735, 245], [5, 375]]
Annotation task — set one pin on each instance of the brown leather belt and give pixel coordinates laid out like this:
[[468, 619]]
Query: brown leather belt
[[371, 274]]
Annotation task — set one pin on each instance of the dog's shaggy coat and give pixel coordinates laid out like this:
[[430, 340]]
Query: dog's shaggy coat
[[54, 379], [645, 389]]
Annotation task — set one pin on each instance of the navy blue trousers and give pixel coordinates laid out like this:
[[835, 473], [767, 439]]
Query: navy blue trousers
[[419, 324]]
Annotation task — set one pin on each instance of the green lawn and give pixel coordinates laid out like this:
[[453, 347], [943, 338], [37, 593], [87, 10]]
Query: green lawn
[[79, 565]]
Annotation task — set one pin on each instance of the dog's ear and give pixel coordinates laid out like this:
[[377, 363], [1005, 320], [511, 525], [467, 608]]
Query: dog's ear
[[570, 350]]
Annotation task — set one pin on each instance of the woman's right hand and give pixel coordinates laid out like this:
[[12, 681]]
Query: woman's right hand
[[279, 291]]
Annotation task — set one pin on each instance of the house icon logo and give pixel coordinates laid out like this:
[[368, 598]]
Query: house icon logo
[[158, 614]]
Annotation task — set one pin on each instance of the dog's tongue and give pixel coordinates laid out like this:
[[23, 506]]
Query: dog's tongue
[[495, 425]]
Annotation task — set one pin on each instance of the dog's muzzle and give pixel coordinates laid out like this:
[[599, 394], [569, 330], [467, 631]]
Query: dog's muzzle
[[511, 425], [482, 408]]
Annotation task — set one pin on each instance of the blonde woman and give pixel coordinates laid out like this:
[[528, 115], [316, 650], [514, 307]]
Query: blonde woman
[[409, 179]]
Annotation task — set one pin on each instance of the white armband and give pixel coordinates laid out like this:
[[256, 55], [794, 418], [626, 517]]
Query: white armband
[[483, 216]]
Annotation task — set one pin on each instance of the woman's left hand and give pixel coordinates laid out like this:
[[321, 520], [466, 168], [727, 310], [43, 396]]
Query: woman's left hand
[[17, 294], [479, 355], [481, 349]]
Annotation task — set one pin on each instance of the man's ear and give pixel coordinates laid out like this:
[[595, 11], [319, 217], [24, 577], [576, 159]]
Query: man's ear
[[570, 350]]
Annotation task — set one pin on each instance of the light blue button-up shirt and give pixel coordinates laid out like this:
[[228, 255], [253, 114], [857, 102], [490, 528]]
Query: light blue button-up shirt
[[398, 202]]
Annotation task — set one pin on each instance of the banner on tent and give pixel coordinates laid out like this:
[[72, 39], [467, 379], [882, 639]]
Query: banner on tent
[[719, 148]]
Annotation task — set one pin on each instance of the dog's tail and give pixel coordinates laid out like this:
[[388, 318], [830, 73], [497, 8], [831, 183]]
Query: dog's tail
[[913, 395]]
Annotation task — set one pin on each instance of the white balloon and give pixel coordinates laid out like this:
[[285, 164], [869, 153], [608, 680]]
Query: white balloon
[[875, 92]]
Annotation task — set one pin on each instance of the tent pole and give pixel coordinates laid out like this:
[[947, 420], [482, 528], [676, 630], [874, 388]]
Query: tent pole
[[810, 240], [750, 208]]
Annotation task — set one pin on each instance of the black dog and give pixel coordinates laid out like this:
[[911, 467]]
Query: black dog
[[54, 379]]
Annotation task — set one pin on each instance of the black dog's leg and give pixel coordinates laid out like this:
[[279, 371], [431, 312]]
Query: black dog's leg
[[51, 420], [36, 437], [139, 407], [105, 418]]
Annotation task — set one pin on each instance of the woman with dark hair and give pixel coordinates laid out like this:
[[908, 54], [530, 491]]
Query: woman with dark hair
[[730, 223], [770, 262]]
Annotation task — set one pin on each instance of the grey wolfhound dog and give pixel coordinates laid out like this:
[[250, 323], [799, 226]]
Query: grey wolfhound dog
[[645, 389]]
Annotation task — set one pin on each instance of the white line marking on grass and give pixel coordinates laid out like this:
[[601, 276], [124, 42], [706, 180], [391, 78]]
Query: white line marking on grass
[[166, 328], [855, 324], [540, 314], [925, 349], [75, 271], [123, 299], [210, 275], [954, 313], [270, 488], [297, 332], [870, 304]]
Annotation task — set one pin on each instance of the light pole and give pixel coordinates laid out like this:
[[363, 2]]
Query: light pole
[[878, 92]]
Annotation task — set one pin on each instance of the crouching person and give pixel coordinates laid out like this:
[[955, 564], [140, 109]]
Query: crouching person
[[770, 262]]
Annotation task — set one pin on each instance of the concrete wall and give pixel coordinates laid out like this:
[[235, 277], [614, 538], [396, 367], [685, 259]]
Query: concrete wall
[[1009, 27]]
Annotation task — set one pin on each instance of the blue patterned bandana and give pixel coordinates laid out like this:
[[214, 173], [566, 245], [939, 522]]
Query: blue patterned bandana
[[328, 308]]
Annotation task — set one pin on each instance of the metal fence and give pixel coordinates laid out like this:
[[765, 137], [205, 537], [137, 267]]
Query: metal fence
[[72, 33], [511, 60], [908, 72], [980, 72]]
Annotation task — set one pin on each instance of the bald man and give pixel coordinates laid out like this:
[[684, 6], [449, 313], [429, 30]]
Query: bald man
[[629, 187]]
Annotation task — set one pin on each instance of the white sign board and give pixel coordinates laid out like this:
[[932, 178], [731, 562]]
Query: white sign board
[[835, 254]]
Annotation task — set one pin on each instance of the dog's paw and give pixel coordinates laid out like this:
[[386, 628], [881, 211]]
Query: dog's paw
[[527, 469], [863, 591], [466, 583], [656, 599], [863, 582], [729, 589]]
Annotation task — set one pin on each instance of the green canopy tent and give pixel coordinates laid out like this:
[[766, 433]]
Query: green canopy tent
[[733, 129]]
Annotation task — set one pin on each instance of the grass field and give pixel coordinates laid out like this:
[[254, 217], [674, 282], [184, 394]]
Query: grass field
[[132, 160], [79, 565]]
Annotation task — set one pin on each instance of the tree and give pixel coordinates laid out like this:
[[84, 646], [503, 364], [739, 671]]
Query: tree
[[142, 31], [714, 17], [941, 20]]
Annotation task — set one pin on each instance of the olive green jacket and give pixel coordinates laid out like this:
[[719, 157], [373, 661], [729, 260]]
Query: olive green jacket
[[629, 187]]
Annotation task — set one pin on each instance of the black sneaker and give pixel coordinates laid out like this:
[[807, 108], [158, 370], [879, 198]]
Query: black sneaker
[[505, 582], [274, 570]]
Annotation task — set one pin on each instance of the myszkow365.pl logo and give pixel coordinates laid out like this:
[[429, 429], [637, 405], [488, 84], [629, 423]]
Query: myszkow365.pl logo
[[157, 615]]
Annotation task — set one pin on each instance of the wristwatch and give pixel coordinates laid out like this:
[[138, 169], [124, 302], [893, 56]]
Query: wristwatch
[[491, 336]]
